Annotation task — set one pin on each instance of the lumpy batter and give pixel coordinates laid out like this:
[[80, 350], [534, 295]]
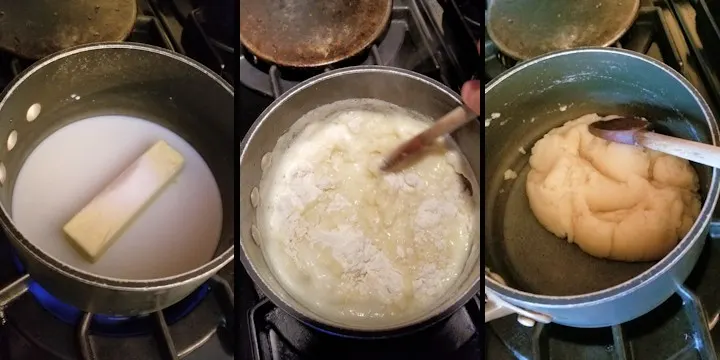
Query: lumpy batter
[[355, 244], [615, 201]]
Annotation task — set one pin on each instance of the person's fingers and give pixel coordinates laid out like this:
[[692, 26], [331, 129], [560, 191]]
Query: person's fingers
[[471, 95]]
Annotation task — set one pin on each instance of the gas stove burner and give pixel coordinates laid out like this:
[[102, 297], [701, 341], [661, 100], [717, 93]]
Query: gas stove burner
[[115, 325], [112, 325], [107, 324]]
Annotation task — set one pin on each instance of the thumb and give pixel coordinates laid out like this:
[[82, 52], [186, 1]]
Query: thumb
[[471, 95]]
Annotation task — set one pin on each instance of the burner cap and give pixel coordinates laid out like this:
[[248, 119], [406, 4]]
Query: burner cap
[[524, 29], [300, 33]]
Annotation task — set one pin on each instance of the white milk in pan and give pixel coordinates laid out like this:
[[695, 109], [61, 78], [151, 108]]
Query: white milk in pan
[[177, 232]]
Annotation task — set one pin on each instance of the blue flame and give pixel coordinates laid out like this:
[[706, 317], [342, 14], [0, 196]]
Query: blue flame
[[107, 324]]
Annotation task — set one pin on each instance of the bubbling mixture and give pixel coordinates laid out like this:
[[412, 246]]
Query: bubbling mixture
[[352, 243]]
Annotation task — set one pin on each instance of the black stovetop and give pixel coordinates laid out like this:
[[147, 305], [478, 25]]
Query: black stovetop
[[35, 325], [684, 35], [423, 38]]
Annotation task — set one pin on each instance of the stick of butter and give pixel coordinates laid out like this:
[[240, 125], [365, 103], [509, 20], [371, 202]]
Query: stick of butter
[[94, 229]]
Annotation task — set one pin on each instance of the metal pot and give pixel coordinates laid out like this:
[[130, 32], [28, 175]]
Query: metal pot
[[396, 86], [120, 79], [529, 270]]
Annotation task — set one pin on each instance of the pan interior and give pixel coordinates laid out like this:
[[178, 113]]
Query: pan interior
[[518, 247]]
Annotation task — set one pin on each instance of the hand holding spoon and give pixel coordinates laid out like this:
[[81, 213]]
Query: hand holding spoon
[[634, 131]]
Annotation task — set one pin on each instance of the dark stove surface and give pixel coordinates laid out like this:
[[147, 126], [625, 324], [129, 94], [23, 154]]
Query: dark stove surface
[[685, 36], [35, 325], [422, 38], [278, 336]]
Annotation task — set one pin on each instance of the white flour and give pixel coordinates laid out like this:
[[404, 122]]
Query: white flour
[[356, 244]]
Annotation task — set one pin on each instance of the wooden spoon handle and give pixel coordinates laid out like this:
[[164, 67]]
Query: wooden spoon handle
[[690, 150], [450, 122]]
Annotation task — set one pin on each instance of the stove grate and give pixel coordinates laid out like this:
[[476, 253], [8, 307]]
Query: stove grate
[[697, 344], [275, 335]]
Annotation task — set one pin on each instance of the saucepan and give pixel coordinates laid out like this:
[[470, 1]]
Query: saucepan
[[400, 87], [118, 79], [530, 271]]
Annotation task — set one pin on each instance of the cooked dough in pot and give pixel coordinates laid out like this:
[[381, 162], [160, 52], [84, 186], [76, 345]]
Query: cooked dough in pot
[[615, 201]]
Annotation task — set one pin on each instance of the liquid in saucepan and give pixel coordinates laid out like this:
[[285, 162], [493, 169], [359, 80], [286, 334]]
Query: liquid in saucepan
[[178, 232]]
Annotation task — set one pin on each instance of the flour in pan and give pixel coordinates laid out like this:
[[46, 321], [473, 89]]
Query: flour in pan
[[355, 244]]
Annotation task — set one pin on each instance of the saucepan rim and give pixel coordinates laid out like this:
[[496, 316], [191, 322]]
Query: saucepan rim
[[440, 312], [666, 263], [210, 267]]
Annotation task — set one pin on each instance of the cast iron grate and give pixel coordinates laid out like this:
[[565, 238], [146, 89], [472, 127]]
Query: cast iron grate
[[277, 336], [220, 288], [677, 329]]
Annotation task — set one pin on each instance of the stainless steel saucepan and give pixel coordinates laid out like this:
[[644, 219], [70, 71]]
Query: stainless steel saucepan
[[119, 79], [400, 87]]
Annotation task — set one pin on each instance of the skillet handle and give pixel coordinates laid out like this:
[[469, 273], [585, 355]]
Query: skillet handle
[[496, 308]]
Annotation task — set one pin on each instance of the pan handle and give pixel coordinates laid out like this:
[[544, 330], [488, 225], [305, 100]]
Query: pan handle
[[495, 308], [7, 295]]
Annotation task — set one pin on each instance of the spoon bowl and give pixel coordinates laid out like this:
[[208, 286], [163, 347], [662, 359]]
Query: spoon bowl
[[635, 131]]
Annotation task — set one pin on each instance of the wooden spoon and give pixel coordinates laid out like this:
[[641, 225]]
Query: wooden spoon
[[634, 131], [450, 122]]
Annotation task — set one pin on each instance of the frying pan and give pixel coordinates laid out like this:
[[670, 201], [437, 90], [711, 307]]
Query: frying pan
[[528, 269], [301, 34], [523, 29], [33, 29], [119, 79]]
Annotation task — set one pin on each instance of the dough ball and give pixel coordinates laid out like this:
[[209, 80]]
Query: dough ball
[[615, 201]]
